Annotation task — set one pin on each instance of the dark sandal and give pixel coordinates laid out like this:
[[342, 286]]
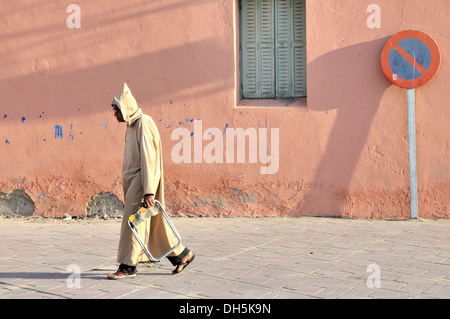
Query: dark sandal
[[120, 275], [182, 265]]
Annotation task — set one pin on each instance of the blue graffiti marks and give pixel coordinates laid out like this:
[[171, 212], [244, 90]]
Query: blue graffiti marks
[[58, 131], [170, 125], [175, 124], [225, 129], [105, 125], [6, 140], [203, 201], [23, 119], [225, 201], [245, 198], [71, 128], [42, 197]]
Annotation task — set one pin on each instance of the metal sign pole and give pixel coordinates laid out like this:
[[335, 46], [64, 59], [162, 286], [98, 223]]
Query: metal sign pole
[[412, 152], [411, 59]]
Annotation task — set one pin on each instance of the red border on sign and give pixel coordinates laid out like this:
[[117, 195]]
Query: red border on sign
[[428, 75]]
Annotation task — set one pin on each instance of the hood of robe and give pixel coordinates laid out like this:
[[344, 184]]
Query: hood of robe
[[127, 105]]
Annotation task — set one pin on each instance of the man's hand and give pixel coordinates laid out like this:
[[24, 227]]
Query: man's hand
[[149, 201]]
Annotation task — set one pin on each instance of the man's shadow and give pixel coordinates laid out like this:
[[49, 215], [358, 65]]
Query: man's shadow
[[350, 83], [48, 275], [93, 274]]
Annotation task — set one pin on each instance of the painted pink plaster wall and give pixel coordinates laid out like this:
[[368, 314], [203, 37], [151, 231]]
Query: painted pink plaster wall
[[342, 152]]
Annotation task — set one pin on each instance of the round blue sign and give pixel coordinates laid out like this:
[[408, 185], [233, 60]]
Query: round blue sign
[[410, 59], [418, 51]]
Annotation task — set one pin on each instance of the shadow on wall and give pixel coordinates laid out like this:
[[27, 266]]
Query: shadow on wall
[[181, 72], [76, 72], [348, 80], [64, 76]]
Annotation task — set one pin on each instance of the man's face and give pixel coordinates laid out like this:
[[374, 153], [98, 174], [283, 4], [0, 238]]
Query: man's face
[[118, 114]]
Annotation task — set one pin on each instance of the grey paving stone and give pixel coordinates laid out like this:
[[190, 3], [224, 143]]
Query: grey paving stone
[[237, 258]]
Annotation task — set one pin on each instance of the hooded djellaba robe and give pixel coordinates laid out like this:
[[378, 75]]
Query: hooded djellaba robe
[[142, 174]]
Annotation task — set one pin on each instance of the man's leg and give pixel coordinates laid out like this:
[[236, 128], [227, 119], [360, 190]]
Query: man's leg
[[124, 271], [181, 261], [129, 249]]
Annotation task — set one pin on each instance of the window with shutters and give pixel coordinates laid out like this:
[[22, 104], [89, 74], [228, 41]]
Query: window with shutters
[[272, 49]]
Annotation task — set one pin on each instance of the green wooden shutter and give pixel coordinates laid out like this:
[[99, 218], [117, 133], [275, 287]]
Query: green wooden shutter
[[299, 49], [273, 48], [283, 20], [249, 48], [267, 79], [257, 48], [290, 48]]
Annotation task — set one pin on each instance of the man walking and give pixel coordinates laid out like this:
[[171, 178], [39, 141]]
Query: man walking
[[143, 181]]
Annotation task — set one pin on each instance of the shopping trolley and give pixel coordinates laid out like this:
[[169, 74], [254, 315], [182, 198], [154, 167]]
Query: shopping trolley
[[141, 214]]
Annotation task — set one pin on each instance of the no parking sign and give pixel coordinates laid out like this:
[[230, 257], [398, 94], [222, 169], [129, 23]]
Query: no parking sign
[[411, 59]]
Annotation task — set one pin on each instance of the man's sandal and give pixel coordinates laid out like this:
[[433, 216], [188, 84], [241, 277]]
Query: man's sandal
[[120, 275], [179, 268]]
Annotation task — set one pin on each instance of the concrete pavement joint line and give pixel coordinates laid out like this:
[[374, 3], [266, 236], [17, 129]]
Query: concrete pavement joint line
[[346, 281], [27, 287], [438, 279], [251, 248], [374, 252], [66, 250], [143, 288], [124, 295], [298, 293], [90, 236], [191, 296]]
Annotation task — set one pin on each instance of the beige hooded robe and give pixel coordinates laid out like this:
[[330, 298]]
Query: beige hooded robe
[[142, 174]]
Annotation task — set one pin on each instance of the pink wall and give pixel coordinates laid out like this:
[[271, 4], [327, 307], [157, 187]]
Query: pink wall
[[342, 152]]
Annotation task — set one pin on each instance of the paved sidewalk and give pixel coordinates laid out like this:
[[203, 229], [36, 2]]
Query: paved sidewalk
[[236, 258]]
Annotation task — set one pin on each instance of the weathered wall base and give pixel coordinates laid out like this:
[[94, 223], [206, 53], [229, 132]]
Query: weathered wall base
[[59, 197], [232, 197], [16, 203], [104, 205]]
